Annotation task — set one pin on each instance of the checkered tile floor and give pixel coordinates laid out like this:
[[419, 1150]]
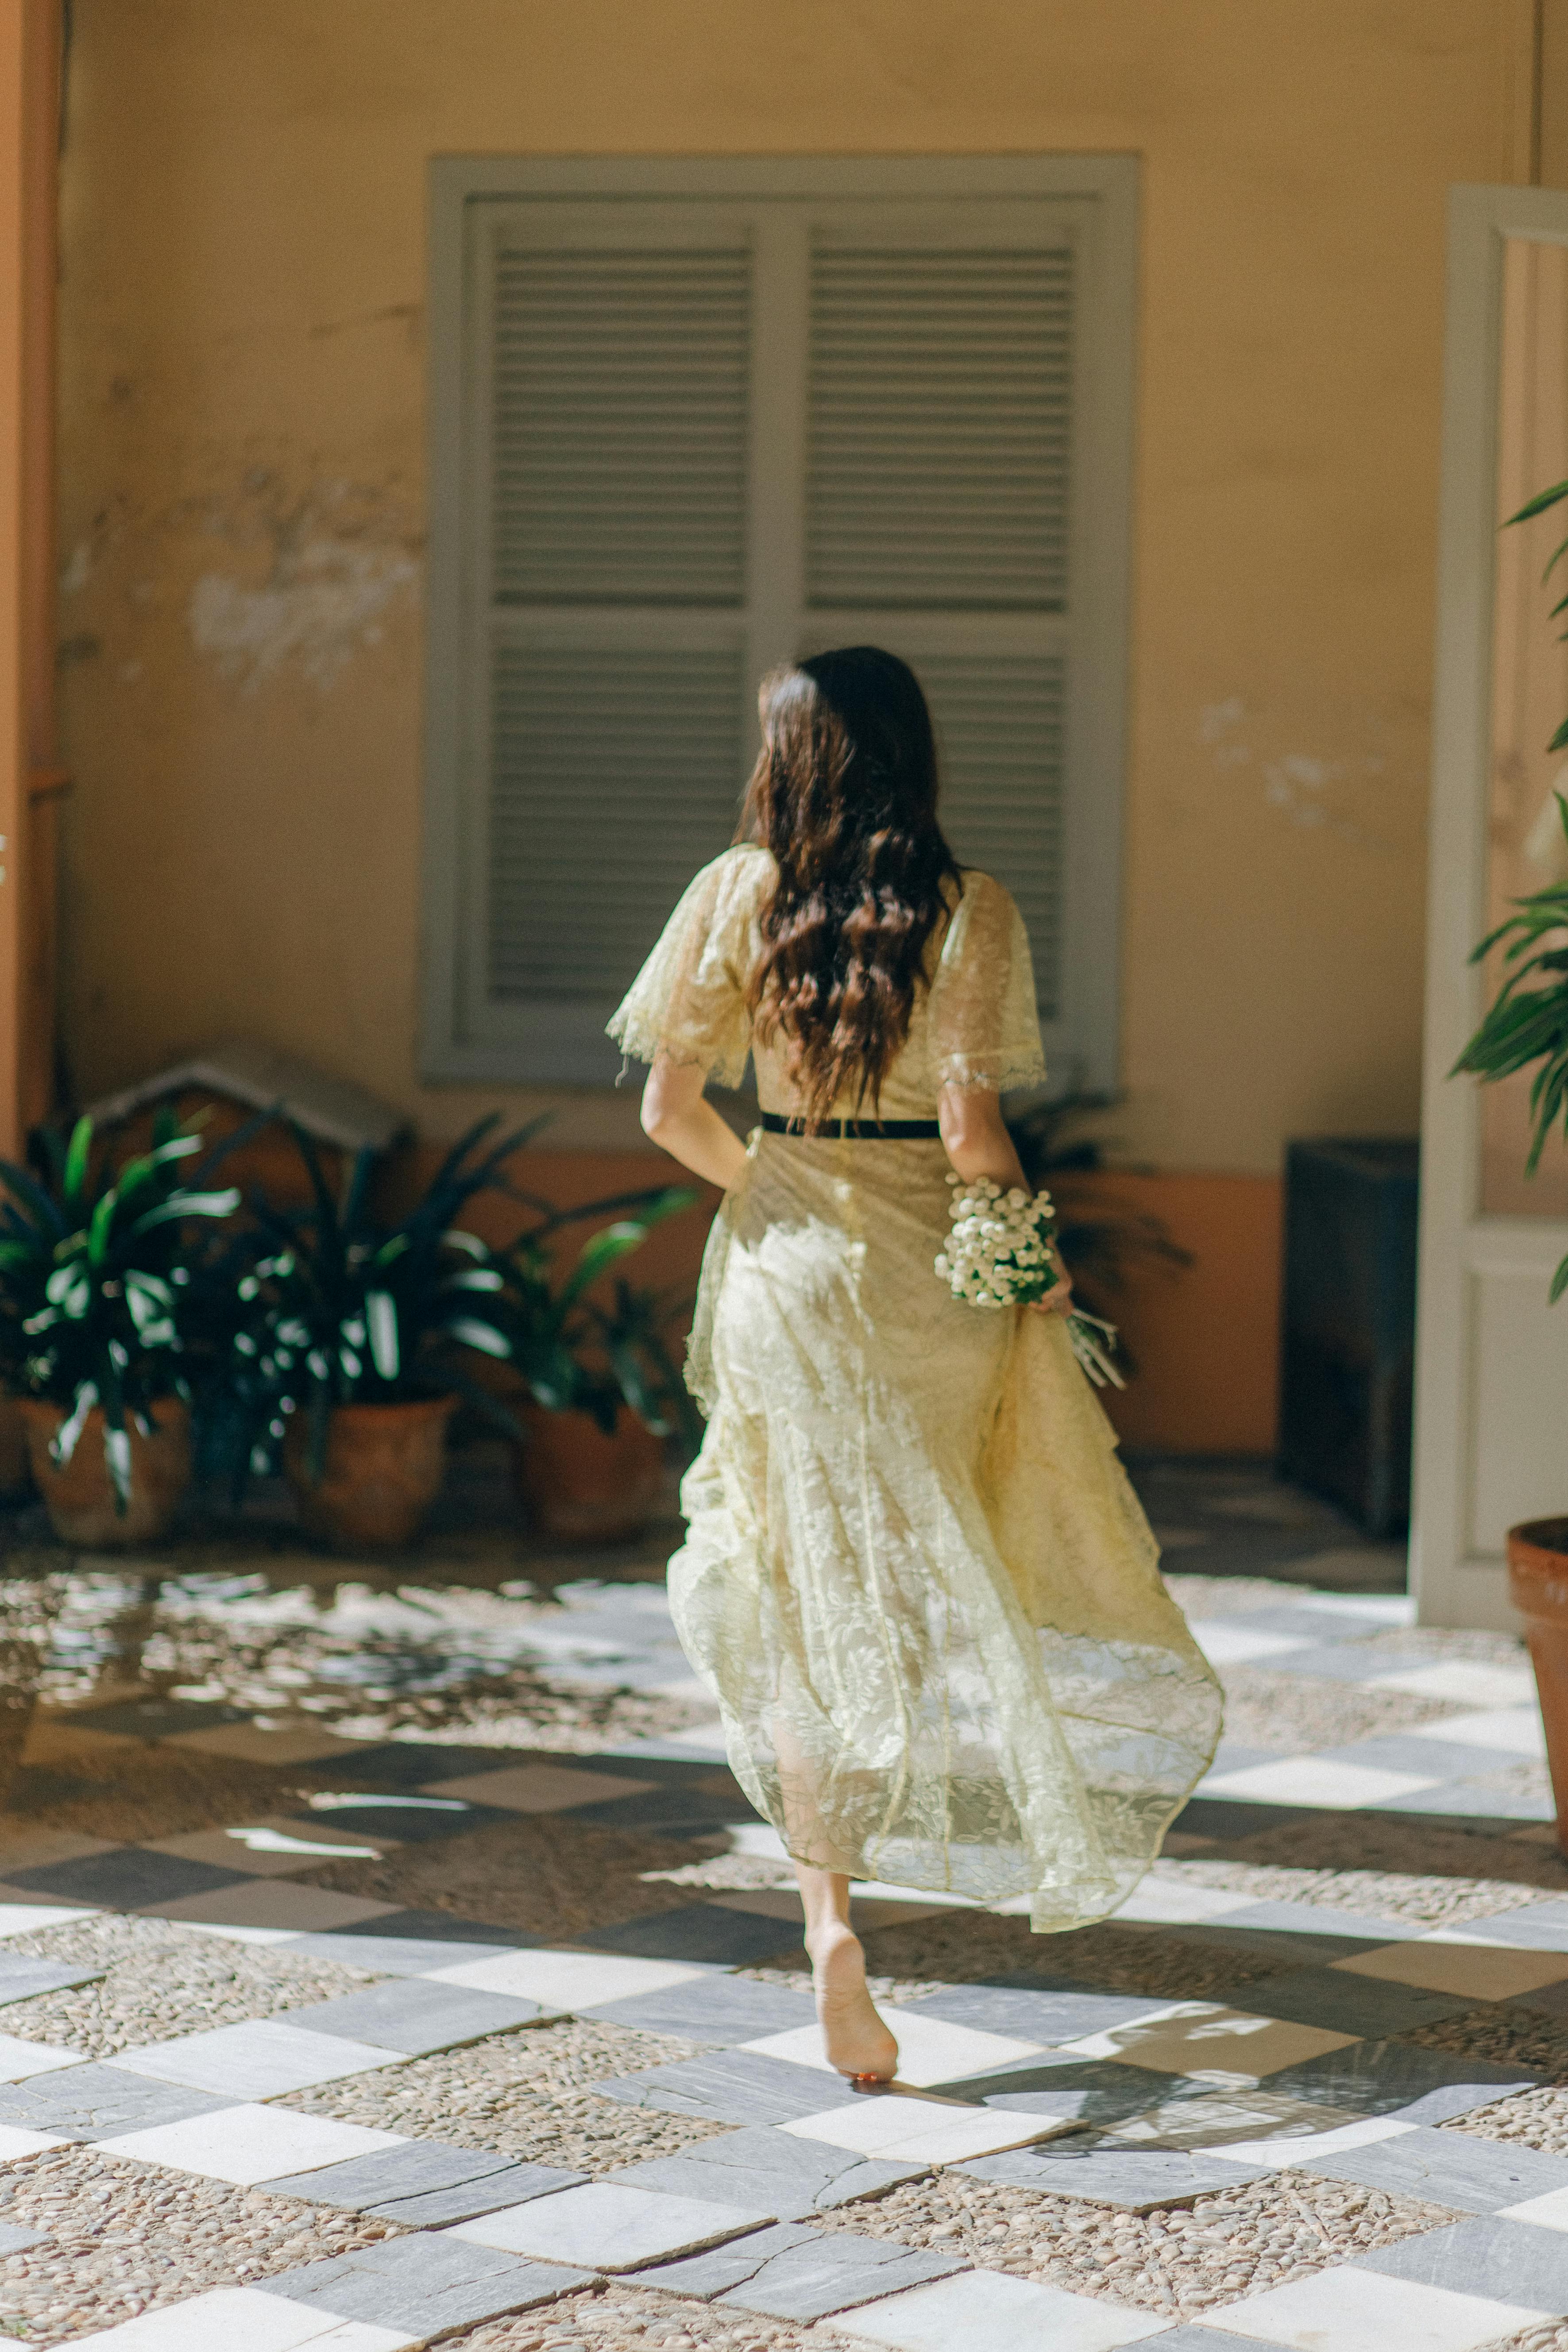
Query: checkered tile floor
[[1050, 2085]]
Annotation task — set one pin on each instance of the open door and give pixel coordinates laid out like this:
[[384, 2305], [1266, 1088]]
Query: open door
[[1491, 1434]]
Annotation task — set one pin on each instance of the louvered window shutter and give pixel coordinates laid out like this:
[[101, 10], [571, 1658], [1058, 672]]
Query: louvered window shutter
[[940, 426], [698, 437]]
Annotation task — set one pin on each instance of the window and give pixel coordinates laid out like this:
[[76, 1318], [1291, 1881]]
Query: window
[[690, 419]]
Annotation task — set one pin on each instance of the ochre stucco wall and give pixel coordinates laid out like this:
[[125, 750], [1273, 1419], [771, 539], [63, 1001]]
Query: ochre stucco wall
[[242, 491]]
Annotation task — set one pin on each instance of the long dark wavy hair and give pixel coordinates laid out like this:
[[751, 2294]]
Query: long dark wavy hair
[[844, 795]]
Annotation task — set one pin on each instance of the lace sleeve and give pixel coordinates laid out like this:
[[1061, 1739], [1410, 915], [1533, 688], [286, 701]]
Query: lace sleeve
[[984, 1029], [688, 1000]]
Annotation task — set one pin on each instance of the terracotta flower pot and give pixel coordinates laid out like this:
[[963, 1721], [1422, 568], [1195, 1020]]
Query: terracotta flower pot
[[580, 1485], [77, 1494], [384, 1469], [1538, 1587], [15, 1469]]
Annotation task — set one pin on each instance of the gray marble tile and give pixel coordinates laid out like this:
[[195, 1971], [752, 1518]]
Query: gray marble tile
[[127, 1878], [1346, 2003], [397, 1956], [1035, 2009], [703, 1932], [1311, 1622], [1227, 1819], [409, 1818], [154, 1718], [673, 1808], [96, 2102], [1338, 1661], [717, 2009], [792, 2177], [1299, 1923], [1453, 2169], [425, 2284], [1509, 2262], [1196, 2337], [1539, 1927], [1087, 2091], [795, 2272], [1415, 1751], [21, 1979], [1547, 2000], [1136, 2179], [416, 2017], [426, 2185], [1395, 2078], [436, 1926], [732, 2086], [1231, 1756]]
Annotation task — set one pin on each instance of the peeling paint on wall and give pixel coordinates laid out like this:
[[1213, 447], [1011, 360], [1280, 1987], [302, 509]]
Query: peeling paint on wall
[[324, 600], [1312, 793]]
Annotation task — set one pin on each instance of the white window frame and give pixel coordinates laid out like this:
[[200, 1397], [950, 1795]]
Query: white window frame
[[457, 1046]]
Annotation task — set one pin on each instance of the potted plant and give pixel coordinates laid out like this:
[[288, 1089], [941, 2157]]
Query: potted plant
[[602, 1391], [92, 1284], [1527, 1027], [356, 1349]]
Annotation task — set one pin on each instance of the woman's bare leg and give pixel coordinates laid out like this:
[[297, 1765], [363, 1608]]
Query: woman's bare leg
[[855, 2040]]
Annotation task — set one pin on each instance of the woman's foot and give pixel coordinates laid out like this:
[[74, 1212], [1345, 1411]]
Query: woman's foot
[[855, 2040]]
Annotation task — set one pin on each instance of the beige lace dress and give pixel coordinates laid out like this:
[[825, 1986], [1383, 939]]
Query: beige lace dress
[[915, 1577]]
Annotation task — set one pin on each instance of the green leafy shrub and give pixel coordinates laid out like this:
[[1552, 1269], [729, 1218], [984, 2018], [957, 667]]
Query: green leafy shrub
[[97, 1279]]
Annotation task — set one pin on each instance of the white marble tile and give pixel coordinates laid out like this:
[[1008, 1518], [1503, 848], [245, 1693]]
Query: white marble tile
[[247, 2144], [1347, 2310], [991, 2312], [15, 2143], [1482, 1971], [236, 1935], [921, 2131], [1377, 1608], [1161, 1901], [1548, 2212], [759, 1839], [242, 2319], [1310, 1781], [1205, 2039], [261, 2059], [1223, 1644], [1302, 2150], [606, 2226], [1467, 1681], [567, 1980], [26, 1918], [1516, 1729], [20, 2059], [929, 2051]]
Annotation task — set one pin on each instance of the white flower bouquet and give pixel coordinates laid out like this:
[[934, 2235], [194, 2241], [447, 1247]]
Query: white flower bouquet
[[999, 1254]]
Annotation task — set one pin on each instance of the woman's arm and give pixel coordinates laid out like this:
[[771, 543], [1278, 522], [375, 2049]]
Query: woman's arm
[[976, 1141], [678, 1119]]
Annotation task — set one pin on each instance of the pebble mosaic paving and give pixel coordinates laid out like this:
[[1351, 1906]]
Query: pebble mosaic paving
[[1319, 2140]]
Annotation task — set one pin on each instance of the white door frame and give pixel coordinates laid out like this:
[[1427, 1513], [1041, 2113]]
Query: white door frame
[[1461, 1251]]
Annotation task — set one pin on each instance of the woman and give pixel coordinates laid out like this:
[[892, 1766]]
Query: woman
[[915, 1577]]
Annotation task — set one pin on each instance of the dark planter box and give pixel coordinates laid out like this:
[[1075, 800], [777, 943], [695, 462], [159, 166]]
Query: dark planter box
[[1348, 1342]]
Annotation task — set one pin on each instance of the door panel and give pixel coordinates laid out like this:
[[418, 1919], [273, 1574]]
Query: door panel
[[1491, 1440]]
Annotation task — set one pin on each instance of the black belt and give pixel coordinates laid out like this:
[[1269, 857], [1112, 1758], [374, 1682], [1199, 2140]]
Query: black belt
[[869, 1130]]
